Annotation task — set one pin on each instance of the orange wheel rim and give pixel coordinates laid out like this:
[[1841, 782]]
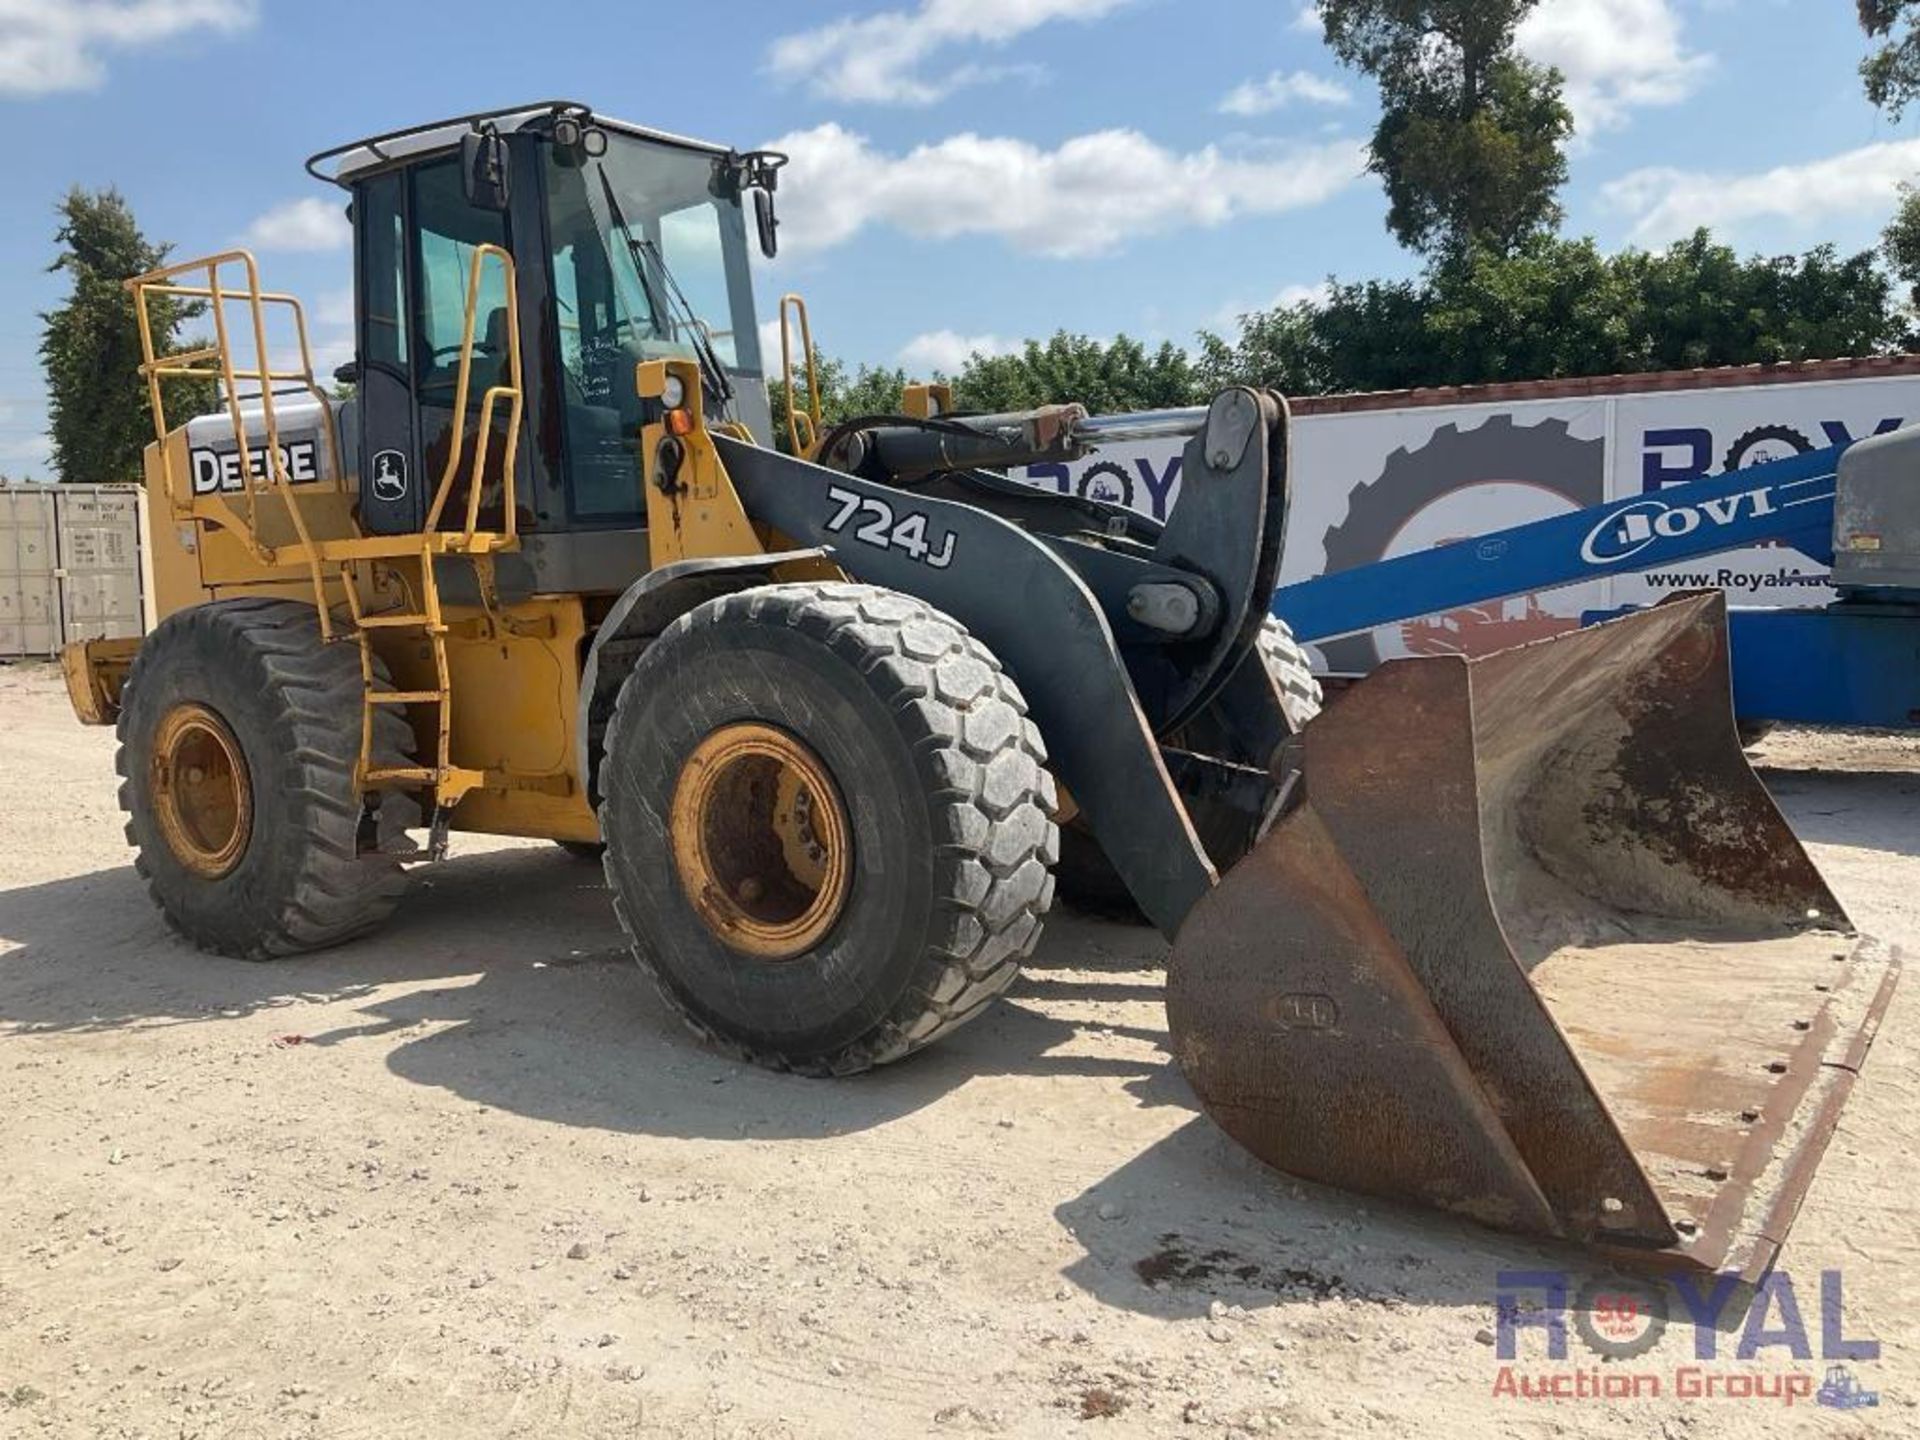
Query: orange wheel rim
[[202, 791], [761, 841]]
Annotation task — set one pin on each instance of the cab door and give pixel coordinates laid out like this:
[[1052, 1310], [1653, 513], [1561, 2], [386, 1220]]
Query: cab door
[[389, 457], [419, 237]]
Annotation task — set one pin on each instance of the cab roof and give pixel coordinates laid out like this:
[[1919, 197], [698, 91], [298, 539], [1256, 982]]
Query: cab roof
[[350, 160]]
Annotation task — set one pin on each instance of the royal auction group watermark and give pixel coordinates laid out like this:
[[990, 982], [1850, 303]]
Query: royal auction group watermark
[[1779, 1342]]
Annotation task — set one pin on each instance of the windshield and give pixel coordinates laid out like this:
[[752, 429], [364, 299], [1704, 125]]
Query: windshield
[[608, 287], [626, 229]]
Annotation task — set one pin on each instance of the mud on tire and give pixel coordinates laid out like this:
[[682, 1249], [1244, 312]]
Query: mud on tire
[[292, 703], [948, 803]]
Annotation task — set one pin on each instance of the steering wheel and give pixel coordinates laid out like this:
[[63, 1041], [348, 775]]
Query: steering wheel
[[481, 351]]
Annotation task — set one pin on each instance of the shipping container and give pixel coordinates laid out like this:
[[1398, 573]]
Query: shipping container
[[70, 566]]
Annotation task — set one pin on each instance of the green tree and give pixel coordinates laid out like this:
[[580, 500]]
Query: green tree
[[1108, 378], [1469, 142], [870, 390], [90, 346], [1892, 71], [1700, 304], [1900, 245], [1558, 308]]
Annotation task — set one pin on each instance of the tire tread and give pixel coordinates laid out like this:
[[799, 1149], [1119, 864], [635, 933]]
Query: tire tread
[[935, 678], [336, 895]]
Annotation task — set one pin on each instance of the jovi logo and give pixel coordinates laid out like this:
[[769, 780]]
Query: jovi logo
[[1626, 532]]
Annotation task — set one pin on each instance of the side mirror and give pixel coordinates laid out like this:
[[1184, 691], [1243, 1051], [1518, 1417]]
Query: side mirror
[[483, 170], [767, 223]]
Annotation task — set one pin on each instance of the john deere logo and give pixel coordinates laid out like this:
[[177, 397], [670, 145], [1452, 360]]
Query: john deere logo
[[389, 475]]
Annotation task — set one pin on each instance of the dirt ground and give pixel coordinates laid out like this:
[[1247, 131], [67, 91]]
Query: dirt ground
[[467, 1179]]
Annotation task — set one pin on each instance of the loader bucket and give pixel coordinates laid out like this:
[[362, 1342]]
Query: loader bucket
[[1537, 948]]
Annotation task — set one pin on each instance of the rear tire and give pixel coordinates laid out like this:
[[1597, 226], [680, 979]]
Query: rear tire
[[284, 877], [943, 844], [1088, 881]]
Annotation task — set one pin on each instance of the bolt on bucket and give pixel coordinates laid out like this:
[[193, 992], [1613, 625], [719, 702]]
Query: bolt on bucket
[[1537, 948]]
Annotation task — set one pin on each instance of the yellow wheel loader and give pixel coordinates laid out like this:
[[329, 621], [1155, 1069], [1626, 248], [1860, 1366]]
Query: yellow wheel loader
[[1523, 938]]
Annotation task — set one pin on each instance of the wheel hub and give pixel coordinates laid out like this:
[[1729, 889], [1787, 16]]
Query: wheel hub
[[202, 791], [761, 841]]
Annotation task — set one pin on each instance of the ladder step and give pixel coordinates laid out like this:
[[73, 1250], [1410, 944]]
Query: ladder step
[[424, 775], [397, 773], [405, 697], [398, 622]]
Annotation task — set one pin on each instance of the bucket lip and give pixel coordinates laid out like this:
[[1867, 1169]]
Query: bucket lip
[[1731, 1241]]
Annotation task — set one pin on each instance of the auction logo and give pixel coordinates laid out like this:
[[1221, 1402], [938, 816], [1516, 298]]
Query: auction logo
[[1621, 1320]]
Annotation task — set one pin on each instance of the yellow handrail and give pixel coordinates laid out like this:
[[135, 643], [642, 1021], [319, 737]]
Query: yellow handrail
[[155, 368], [510, 392], [795, 415]]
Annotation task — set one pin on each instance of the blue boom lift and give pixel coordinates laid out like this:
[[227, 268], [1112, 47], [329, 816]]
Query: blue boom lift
[[1854, 507]]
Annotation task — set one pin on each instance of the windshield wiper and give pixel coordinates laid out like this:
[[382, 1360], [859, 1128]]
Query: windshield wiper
[[710, 367], [712, 373]]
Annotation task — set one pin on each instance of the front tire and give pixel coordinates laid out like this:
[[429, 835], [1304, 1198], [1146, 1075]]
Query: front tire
[[239, 735], [829, 824]]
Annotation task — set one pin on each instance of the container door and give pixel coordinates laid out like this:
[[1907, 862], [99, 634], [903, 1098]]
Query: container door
[[29, 608], [99, 570]]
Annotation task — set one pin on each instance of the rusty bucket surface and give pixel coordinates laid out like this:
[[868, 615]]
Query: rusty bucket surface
[[1539, 949]]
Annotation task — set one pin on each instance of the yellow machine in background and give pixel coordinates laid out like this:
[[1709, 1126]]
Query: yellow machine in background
[[837, 717]]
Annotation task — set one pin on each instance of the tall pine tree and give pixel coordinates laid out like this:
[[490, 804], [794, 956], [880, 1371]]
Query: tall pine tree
[[90, 346]]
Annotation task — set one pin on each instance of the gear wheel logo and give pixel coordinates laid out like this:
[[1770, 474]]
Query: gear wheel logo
[[1764, 443], [1620, 1319], [1545, 457], [1107, 482]]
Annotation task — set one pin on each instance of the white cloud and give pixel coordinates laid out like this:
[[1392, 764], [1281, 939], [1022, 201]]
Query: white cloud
[[1667, 203], [1308, 21], [334, 308], [884, 58], [946, 351], [1088, 196], [306, 224], [1617, 56], [1227, 317], [53, 45], [1280, 89], [770, 347]]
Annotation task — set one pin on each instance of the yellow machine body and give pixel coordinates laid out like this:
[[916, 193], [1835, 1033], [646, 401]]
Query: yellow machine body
[[510, 702]]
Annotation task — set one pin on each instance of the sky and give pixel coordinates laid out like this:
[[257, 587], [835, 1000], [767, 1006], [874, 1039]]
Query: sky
[[966, 173]]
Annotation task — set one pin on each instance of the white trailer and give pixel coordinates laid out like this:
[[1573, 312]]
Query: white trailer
[[1383, 474]]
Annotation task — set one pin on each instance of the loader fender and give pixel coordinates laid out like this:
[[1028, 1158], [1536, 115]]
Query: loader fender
[[1038, 617], [650, 604]]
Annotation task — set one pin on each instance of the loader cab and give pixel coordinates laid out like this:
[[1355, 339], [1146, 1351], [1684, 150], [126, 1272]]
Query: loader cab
[[625, 243]]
